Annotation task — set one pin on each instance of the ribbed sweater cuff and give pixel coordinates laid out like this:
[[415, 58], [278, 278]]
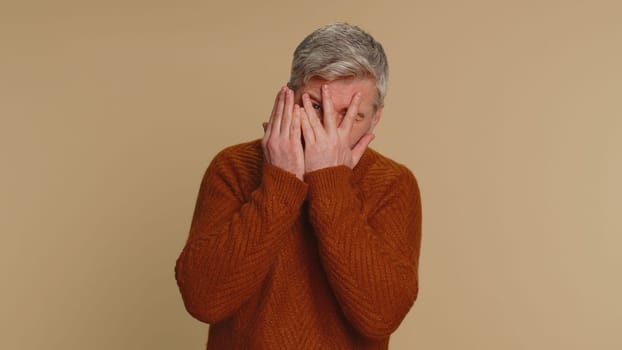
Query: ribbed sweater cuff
[[283, 186], [328, 181]]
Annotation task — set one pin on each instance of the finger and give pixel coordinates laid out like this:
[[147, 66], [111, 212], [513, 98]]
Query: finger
[[307, 104], [276, 101], [276, 120], [330, 122], [275, 105], [312, 118], [267, 127], [361, 146], [287, 112], [295, 127], [353, 110], [307, 130]]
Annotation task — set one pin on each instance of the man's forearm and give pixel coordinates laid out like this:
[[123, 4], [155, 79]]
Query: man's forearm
[[232, 245], [371, 263]]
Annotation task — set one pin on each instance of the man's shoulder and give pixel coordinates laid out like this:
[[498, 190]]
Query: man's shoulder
[[241, 154], [245, 150], [379, 166], [241, 161], [382, 176]]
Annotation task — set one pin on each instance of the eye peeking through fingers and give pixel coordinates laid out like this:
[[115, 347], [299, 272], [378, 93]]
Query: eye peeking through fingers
[[317, 107]]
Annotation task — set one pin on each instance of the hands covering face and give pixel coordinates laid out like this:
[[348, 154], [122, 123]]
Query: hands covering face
[[282, 145], [325, 145]]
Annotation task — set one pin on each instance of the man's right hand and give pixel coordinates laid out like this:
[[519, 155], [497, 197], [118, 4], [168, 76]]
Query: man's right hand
[[282, 145]]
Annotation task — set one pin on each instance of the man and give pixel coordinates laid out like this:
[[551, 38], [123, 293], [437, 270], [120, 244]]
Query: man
[[308, 239]]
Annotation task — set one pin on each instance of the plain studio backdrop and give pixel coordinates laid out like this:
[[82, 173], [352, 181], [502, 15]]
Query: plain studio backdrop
[[508, 112]]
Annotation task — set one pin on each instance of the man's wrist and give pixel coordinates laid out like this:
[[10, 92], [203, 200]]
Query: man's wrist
[[328, 181], [283, 186]]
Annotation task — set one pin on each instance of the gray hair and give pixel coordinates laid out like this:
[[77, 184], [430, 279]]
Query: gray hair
[[340, 50]]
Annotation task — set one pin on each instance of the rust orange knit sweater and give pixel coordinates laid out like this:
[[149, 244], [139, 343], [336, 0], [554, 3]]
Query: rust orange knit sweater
[[272, 262]]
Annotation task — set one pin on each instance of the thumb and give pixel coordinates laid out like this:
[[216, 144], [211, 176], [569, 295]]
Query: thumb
[[360, 147]]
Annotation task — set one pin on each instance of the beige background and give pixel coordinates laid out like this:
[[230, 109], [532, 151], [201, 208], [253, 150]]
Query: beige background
[[508, 112]]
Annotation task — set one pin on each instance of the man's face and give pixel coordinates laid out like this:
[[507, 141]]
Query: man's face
[[342, 92]]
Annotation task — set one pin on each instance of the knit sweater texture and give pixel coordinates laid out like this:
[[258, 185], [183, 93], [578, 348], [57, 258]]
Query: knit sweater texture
[[273, 262]]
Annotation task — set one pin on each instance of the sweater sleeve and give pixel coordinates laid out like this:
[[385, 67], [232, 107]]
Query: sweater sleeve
[[232, 242], [370, 254]]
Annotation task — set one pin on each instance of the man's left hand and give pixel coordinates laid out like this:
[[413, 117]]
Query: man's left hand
[[328, 145]]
